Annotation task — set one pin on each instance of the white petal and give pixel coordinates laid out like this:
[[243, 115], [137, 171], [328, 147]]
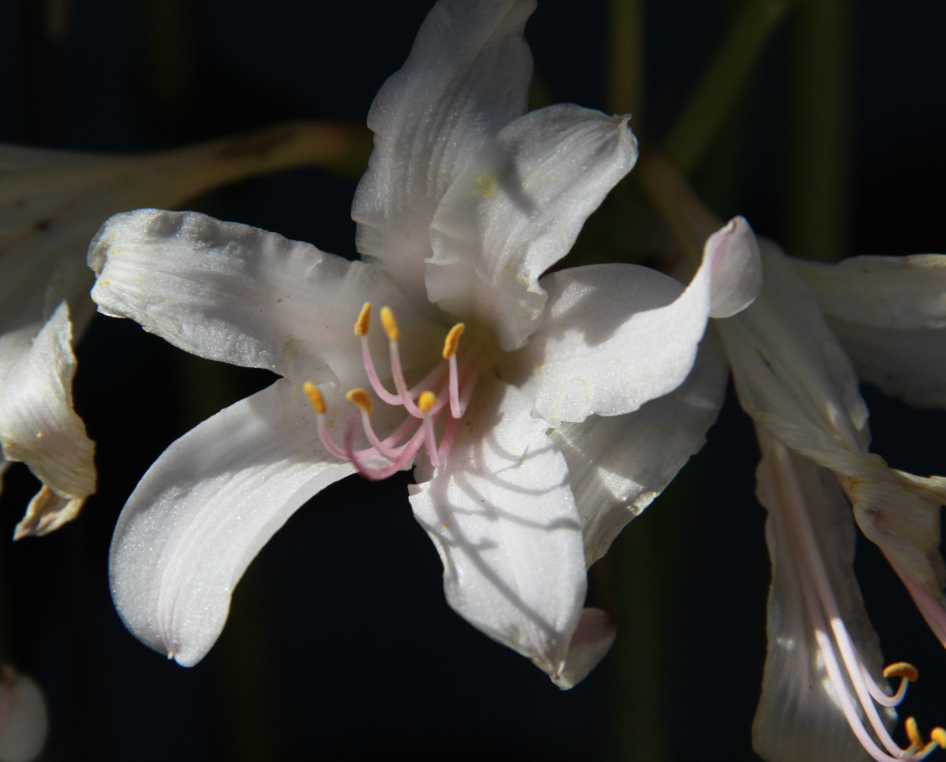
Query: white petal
[[37, 423], [618, 465], [886, 292], [205, 509], [615, 336], [24, 723], [466, 77], [505, 524], [592, 640], [239, 294], [799, 719], [517, 208]]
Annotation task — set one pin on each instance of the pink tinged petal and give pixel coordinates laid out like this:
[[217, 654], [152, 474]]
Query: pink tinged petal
[[615, 336], [38, 425], [205, 509], [504, 521], [239, 294], [799, 718], [591, 642], [24, 723], [467, 76], [517, 208], [618, 465]]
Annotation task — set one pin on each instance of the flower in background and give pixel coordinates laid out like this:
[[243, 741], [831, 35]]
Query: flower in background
[[24, 723], [519, 397], [51, 204]]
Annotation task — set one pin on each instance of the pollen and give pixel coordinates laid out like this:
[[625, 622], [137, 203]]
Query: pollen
[[315, 397], [426, 401], [939, 736], [913, 732], [360, 397], [390, 324], [364, 320], [452, 342], [902, 669]]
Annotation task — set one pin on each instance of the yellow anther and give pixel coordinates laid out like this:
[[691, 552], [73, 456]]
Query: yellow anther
[[913, 732], [939, 736], [360, 397], [390, 324], [315, 397], [452, 341], [902, 669], [426, 401], [364, 320]]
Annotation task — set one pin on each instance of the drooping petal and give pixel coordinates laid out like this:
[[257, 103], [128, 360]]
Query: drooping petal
[[235, 293], [205, 509], [24, 723], [615, 336], [504, 521], [592, 639], [38, 425], [618, 465], [799, 719], [517, 208], [467, 76]]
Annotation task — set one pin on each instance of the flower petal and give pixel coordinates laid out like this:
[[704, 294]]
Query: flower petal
[[24, 723], [239, 294], [615, 336], [517, 208], [592, 639], [618, 465], [799, 719], [37, 423], [205, 509], [504, 521], [466, 77]]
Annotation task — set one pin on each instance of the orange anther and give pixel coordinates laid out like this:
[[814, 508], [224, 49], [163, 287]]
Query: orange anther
[[360, 397], [315, 397], [364, 320], [913, 732], [902, 669], [452, 342], [939, 736], [426, 401], [390, 324]]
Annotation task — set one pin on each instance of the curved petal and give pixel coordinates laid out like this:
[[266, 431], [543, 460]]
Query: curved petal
[[239, 294], [466, 77], [24, 723], [618, 465], [799, 719], [504, 521], [615, 336], [591, 642], [38, 425], [517, 208], [205, 509]]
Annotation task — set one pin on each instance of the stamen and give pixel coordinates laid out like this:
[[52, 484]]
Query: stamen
[[450, 346], [315, 397], [939, 737], [390, 324], [452, 342], [360, 397], [318, 402], [913, 733], [364, 320], [363, 401], [902, 669], [426, 402]]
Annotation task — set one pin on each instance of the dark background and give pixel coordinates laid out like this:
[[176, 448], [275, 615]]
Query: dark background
[[340, 645]]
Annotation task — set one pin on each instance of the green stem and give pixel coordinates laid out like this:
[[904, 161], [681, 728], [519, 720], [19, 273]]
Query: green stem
[[723, 82], [819, 203], [626, 57]]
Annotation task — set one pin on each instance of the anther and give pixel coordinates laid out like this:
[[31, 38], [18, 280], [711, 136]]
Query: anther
[[360, 397], [452, 342], [913, 733], [902, 669], [390, 324], [426, 401], [315, 397], [939, 736], [364, 320]]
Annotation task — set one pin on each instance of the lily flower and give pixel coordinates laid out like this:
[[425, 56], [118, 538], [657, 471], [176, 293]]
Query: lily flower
[[510, 392], [24, 723], [825, 695], [51, 204]]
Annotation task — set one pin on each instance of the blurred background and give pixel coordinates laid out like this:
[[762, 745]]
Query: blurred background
[[340, 645]]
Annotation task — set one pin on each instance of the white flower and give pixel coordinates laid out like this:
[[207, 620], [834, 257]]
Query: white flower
[[24, 723], [51, 204], [825, 696], [467, 201]]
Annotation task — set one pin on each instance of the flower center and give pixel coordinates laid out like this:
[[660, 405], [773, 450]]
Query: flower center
[[833, 640], [446, 389]]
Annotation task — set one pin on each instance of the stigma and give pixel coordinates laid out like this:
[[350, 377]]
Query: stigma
[[439, 400]]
